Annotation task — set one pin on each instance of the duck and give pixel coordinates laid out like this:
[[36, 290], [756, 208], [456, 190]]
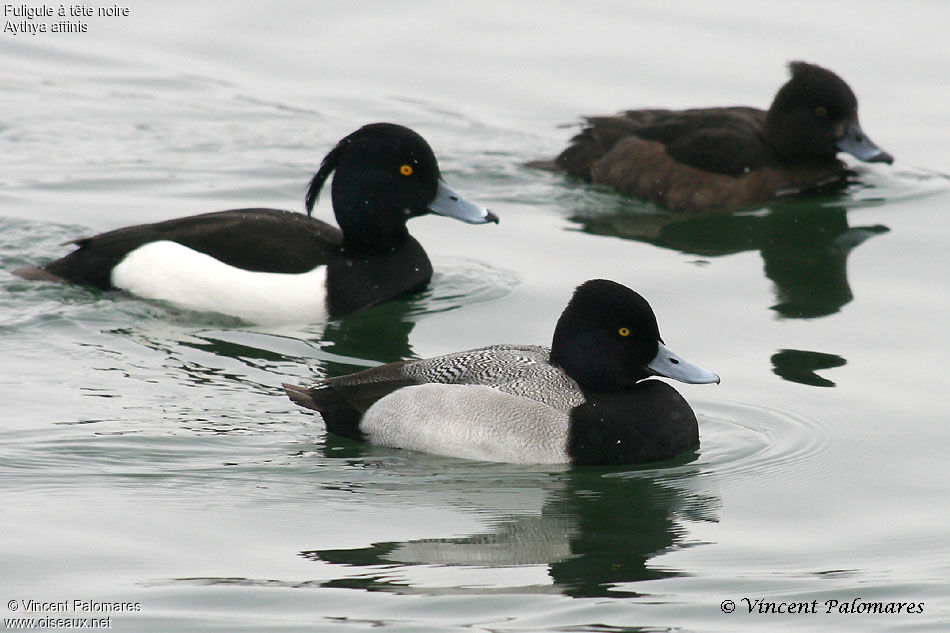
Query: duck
[[588, 399], [269, 265], [727, 158]]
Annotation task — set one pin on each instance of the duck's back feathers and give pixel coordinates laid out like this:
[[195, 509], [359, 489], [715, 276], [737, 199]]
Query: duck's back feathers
[[520, 370], [363, 388], [719, 140], [259, 240]]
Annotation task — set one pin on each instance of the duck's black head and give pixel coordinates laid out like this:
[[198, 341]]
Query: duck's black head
[[814, 116], [607, 339], [386, 174]]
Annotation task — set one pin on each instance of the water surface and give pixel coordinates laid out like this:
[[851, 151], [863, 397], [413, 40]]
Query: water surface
[[147, 455]]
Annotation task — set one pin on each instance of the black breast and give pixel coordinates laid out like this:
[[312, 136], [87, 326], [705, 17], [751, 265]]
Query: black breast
[[357, 278], [649, 422]]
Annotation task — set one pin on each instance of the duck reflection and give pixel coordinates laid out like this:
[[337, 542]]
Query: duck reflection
[[804, 245], [799, 366], [596, 530], [380, 334], [377, 335]]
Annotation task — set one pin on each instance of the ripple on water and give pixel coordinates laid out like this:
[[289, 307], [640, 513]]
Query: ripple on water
[[461, 281], [760, 440], [893, 185]]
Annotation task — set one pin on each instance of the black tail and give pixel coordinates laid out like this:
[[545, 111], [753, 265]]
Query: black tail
[[338, 414], [32, 273], [300, 395]]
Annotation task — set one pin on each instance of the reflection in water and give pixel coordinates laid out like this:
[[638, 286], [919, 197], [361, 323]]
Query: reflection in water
[[806, 257], [378, 334], [381, 333], [804, 245], [596, 530], [800, 366]]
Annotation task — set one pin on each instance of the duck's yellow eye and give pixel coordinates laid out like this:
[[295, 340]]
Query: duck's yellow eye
[[821, 111], [406, 170], [624, 331]]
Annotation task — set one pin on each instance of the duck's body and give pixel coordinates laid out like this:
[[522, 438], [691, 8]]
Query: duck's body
[[729, 157], [266, 265], [582, 401]]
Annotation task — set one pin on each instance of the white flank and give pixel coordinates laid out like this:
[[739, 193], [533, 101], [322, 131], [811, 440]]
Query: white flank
[[469, 421], [168, 271]]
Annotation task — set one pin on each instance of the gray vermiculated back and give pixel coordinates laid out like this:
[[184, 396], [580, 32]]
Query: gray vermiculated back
[[521, 370]]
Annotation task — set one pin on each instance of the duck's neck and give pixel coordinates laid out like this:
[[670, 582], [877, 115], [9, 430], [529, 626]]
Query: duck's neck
[[367, 228], [790, 142]]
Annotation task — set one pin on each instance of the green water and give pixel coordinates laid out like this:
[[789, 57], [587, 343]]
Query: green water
[[148, 455]]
